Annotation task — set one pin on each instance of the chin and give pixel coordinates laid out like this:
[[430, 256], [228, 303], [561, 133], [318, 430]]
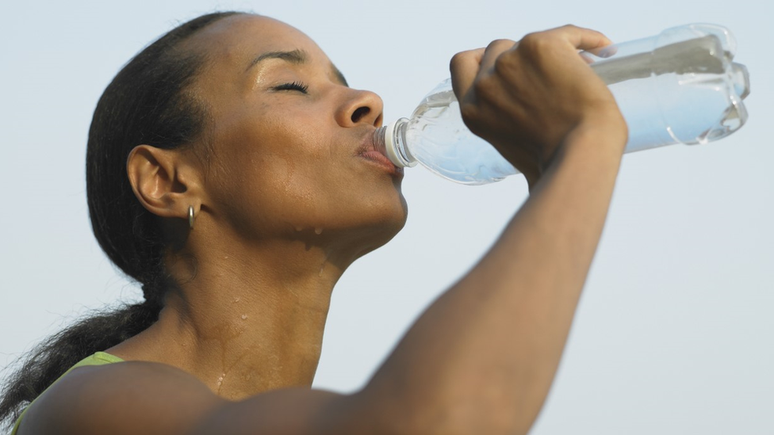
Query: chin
[[376, 232]]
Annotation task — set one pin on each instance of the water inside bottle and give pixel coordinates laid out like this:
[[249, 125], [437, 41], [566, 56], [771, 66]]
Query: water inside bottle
[[441, 142], [692, 85]]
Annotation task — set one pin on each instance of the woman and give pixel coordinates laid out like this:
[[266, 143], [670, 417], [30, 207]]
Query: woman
[[232, 172]]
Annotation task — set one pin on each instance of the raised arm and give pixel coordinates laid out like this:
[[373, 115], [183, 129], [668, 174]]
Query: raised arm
[[482, 358]]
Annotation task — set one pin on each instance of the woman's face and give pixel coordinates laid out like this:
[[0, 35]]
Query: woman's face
[[290, 142]]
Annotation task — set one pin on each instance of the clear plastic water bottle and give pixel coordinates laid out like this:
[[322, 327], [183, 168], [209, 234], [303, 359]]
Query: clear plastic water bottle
[[680, 86]]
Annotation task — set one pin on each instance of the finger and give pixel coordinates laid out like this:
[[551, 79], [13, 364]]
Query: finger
[[582, 38], [464, 68], [493, 51]]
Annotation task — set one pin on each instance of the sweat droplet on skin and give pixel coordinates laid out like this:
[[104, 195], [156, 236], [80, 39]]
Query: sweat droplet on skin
[[244, 316], [318, 231]]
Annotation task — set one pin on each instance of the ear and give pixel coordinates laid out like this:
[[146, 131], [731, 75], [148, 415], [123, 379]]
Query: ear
[[166, 182]]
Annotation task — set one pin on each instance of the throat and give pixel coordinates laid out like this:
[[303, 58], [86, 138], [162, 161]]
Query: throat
[[238, 349], [246, 321]]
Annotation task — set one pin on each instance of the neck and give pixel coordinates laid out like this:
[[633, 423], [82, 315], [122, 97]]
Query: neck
[[246, 320]]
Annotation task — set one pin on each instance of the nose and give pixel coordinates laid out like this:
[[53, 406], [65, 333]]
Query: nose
[[360, 107]]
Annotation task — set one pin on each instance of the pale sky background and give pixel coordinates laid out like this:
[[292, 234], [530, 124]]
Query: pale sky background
[[675, 331]]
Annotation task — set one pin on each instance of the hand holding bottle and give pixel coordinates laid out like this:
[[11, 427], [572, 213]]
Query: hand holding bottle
[[526, 98]]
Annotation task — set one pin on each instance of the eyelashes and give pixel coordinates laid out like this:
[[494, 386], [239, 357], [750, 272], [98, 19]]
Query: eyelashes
[[293, 86]]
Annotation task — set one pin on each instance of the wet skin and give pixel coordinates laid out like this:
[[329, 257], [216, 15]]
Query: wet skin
[[288, 191]]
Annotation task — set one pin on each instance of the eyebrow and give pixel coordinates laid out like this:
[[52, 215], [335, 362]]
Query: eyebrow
[[295, 57]]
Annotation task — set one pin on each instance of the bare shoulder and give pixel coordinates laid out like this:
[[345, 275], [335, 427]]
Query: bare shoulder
[[129, 397], [150, 398]]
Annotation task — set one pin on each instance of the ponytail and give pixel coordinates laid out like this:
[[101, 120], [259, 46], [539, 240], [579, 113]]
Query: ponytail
[[51, 358]]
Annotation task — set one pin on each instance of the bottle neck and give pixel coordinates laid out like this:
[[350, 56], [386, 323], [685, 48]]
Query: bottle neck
[[390, 140]]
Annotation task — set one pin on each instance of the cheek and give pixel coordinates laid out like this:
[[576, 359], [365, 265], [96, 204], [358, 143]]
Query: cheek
[[294, 167], [278, 175], [293, 195], [272, 151], [285, 188]]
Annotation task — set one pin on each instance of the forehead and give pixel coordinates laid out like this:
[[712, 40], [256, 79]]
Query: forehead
[[237, 40]]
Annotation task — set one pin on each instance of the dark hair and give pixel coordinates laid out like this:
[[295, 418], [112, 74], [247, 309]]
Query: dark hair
[[148, 102]]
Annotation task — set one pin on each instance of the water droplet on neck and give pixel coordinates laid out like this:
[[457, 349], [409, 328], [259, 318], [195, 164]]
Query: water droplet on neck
[[244, 316], [318, 231]]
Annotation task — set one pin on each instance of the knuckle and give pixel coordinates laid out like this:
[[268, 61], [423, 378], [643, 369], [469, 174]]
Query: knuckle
[[501, 43], [505, 65], [458, 59], [538, 46], [531, 41]]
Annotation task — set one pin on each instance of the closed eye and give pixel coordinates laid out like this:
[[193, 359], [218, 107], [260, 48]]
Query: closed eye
[[293, 86]]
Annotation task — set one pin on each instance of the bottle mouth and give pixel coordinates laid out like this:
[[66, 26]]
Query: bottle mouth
[[379, 141], [390, 141]]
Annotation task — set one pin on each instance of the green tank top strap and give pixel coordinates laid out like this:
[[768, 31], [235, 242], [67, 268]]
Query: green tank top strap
[[97, 359]]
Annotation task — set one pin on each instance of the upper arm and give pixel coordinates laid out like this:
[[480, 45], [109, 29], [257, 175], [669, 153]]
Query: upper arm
[[130, 397], [148, 398]]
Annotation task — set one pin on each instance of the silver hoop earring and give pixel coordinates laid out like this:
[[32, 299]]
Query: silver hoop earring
[[190, 216]]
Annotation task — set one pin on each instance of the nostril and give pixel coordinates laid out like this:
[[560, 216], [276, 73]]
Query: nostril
[[358, 114]]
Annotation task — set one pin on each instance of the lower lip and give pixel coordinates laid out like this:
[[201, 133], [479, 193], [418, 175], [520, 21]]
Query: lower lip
[[381, 160]]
